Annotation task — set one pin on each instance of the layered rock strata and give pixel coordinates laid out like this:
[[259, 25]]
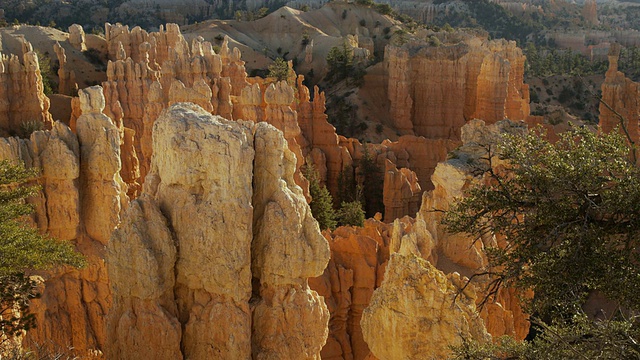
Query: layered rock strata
[[245, 207], [153, 70], [434, 88]]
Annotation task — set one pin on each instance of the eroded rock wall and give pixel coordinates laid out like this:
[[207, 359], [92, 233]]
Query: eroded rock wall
[[392, 319], [220, 226], [81, 200], [23, 104], [620, 100], [435, 87]]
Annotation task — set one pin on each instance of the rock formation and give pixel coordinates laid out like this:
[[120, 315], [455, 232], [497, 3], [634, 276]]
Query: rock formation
[[76, 37], [356, 268], [620, 98], [102, 186], [401, 192], [417, 312], [154, 70], [433, 89], [67, 84], [80, 202], [247, 206], [590, 12], [23, 103], [422, 246]]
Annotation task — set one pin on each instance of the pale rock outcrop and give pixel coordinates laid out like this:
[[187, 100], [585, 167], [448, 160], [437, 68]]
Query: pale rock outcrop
[[22, 98], [434, 89], [145, 285], [461, 253], [360, 257], [76, 37], [102, 185], [621, 95], [283, 318], [418, 312], [216, 225], [59, 159], [150, 71]]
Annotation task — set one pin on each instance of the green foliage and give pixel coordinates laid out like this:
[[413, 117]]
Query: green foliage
[[492, 17], [570, 212], [44, 63], [505, 347], [629, 62], [28, 127], [365, 2], [384, 9], [342, 66], [322, 202], [545, 61], [581, 338], [372, 183], [306, 39], [279, 69], [23, 248], [351, 213], [340, 61], [348, 190], [95, 57]]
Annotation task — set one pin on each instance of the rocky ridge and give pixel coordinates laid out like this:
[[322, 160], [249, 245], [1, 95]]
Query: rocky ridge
[[354, 284]]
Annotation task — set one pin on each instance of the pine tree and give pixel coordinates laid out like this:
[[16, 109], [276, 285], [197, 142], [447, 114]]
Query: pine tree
[[279, 69], [568, 212], [351, 213], [22, 248], [322, 202]]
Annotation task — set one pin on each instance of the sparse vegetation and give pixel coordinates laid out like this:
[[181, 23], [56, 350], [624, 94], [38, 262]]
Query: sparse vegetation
[[44, 62], [370, 172]]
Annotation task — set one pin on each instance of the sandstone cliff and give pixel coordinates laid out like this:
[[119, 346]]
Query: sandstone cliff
[[620, 98], [81, 201], [433, 89], [202, 231], [22, 100], [415, 314], [360, 264]]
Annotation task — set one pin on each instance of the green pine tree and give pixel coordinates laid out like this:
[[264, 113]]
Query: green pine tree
[[279, 69], [351, 213], [322, 202], [23, 248]]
